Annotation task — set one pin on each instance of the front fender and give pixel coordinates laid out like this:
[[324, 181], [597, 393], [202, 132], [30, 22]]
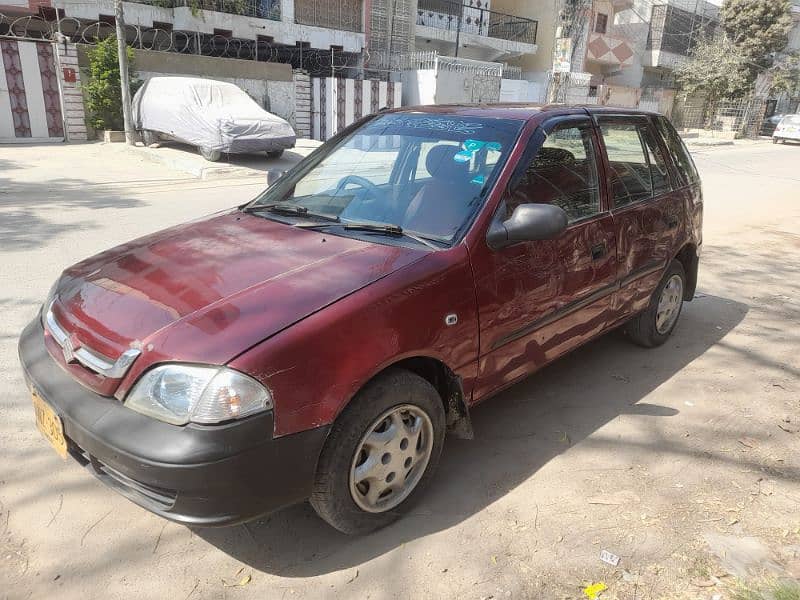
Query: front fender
[[316, 366]]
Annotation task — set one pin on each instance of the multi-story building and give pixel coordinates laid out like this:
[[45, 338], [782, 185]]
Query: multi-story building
[[676, 26]]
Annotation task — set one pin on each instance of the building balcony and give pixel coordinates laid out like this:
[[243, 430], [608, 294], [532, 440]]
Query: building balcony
[[319, 23], [262, 9], [489, 34], [609, 49]]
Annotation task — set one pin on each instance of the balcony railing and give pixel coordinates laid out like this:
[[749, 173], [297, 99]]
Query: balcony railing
[[262, 9], [473, 17]]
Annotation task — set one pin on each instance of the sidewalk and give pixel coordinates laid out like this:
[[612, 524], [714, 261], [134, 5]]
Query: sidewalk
[[180, 157]]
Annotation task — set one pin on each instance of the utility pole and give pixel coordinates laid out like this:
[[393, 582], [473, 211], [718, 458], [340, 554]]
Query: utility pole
[[122, 51], [459, 22]]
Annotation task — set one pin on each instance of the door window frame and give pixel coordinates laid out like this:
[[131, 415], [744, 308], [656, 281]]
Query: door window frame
[[637, 120], [535, 142]]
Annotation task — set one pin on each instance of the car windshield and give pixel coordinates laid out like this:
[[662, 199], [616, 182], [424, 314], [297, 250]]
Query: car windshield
[[791, 120], [422, 174]]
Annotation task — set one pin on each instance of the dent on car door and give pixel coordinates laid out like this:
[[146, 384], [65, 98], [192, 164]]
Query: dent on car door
[[645, 208], [538, 300]]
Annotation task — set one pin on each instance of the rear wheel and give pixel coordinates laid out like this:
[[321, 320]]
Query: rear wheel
[[655, 324], [209, 154], [275, 153], [381, 453]]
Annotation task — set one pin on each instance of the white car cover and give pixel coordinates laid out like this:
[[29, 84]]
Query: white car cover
[[209, 114]]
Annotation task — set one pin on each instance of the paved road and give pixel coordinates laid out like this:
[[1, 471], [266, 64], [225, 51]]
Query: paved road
[[647, 454]]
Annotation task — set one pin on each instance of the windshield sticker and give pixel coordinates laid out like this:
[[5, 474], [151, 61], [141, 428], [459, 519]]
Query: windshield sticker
[[435, 123], [473, 145], [479, 179], [463, 157], [496, 146]]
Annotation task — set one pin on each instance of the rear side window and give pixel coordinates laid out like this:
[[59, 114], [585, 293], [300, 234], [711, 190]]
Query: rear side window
[[658, 166], [629, 178], [563, 172], [687, 172]]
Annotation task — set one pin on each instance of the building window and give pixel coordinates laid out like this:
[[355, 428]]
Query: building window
[[601, 23]]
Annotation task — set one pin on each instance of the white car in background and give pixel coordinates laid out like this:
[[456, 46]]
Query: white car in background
[[215, 116], [787, 129]]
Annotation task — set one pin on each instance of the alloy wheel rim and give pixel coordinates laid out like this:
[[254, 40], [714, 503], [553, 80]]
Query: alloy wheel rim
[[391, 458], [669, 304]]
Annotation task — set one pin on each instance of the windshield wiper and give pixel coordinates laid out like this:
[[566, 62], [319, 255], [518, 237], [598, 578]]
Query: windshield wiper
[[386, 228], [292, 209]]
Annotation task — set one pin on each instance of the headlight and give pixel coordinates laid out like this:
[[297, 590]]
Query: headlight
[[180, 394]]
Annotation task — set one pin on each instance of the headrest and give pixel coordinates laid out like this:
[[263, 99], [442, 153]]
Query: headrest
[[549, 157], [441, 163]]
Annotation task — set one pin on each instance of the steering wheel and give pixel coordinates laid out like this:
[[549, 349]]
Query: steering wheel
[[366, 184]]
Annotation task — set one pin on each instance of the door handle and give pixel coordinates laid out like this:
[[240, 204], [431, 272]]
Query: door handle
[[598, 251]]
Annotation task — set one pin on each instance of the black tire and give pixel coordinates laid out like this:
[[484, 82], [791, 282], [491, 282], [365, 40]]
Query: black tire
[[331, 497], [774, 140], [149, 137], [209, 154], [275, 153], [642, 329]]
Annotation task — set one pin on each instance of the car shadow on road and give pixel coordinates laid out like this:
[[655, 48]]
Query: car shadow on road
[[516, 434]]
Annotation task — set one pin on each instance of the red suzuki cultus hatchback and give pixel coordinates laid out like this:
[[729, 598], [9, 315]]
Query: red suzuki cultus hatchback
[[318, 342]]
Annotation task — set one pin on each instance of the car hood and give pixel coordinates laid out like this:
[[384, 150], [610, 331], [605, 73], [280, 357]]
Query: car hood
[[208, 290]]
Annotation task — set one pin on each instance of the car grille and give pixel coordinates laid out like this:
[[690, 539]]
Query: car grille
[[137, 491]]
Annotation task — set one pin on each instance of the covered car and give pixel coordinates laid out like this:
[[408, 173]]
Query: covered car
[[787, 129], [215, 116]]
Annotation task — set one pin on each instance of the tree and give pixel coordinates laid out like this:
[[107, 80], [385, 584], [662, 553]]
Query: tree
[[104, 92], [759, 29], [785, 75], [714, 68]]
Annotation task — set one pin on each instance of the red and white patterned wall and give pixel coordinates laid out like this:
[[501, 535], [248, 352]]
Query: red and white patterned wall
[[30, 104]]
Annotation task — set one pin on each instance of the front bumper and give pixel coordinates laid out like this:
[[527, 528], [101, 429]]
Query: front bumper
[[197, 475], [246, 145]]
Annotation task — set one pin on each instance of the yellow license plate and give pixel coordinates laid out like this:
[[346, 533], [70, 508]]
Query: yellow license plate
[[49, 423]]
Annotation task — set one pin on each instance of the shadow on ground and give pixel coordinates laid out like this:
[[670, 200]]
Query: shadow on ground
[[257, 162], [31, 212], [516, 433]]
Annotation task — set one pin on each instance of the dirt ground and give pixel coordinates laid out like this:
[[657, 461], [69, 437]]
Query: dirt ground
[[682, 461]]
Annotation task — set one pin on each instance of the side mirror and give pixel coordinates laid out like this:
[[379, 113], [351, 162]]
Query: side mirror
[[528, 223], [273, 175]]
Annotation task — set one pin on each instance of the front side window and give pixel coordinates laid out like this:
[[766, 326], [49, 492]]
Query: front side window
[[424, 174], [629, 177], [564, 173]]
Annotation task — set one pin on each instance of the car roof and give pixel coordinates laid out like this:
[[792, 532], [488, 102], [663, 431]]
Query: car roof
[[519, 110]]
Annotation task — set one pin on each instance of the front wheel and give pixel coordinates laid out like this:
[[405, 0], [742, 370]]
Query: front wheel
[[655, 324], [209, 154], [149, 137], [381, 453]]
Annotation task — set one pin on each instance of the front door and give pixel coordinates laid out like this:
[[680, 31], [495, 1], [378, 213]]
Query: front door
[[538, 300]]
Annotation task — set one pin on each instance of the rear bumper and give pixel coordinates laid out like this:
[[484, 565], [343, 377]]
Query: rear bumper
[[197, 475]]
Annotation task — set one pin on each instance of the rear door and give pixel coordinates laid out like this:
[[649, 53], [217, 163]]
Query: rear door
[[645, 207]]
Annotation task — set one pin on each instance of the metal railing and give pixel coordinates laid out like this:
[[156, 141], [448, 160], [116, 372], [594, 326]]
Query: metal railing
[[474, 17], [262, 9], [333, 14]]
